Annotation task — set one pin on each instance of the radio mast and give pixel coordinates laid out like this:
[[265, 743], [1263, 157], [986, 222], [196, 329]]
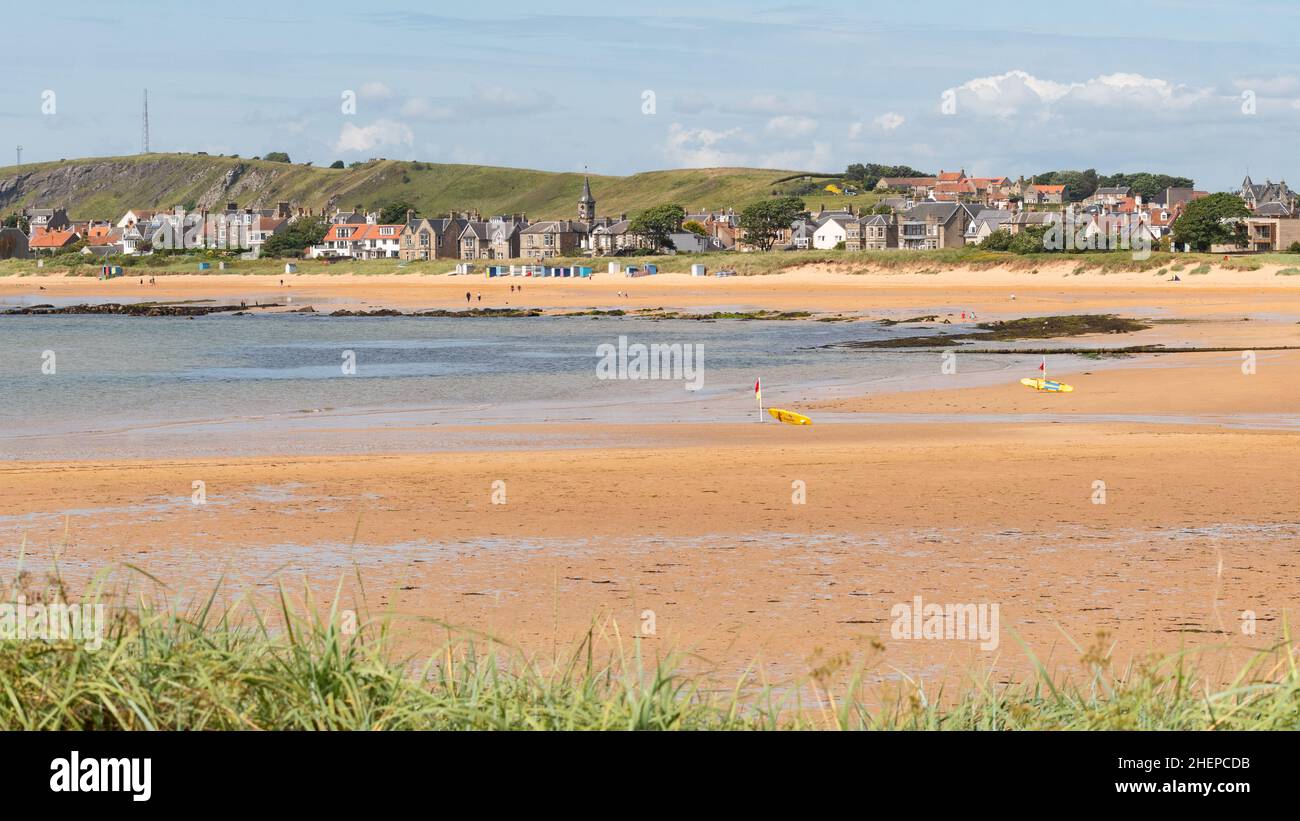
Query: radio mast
[[144, 134]]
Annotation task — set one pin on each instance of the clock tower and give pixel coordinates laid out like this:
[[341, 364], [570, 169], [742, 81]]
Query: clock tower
[[587, 203]]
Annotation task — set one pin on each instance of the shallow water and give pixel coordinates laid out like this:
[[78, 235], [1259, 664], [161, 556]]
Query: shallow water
[[126, 386]]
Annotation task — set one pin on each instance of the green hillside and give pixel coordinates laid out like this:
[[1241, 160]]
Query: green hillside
[[105, 187]]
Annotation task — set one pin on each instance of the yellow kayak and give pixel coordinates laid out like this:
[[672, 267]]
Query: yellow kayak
[[1048, 385], [789, 417]]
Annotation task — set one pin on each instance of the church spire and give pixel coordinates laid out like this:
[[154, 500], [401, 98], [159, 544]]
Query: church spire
[[587, 203]]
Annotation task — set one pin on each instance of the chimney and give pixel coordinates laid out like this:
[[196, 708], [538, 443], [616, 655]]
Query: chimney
[[410, 214]]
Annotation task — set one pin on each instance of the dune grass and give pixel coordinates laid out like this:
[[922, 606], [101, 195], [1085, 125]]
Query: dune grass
[[210, 667], [744, 264]]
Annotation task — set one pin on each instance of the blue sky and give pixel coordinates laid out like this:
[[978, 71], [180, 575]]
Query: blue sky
[[1197, 87]]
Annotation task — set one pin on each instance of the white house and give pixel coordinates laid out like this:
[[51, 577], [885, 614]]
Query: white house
[[359, 241], [138, 216], [986, 222], [262, 230], [829, 233]]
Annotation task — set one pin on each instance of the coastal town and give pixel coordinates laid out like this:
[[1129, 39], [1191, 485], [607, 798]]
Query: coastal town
[[948, 210]]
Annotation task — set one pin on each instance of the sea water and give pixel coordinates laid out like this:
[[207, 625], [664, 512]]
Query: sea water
[[117, 386]]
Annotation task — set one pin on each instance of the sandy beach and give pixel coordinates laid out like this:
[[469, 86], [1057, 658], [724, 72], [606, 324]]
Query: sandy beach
[[768, 543], [823, 288]]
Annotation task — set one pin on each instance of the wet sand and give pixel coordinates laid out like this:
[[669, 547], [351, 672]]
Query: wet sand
[[701, 523], [1052, 289], [710, 537]]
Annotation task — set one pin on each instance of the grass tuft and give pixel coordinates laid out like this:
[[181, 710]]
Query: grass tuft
[[297, 667]]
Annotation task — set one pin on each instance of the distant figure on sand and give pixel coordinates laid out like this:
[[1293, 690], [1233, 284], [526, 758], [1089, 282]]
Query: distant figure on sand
[[467, 297]]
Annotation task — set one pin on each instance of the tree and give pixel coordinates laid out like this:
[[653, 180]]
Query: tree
[[695, 227], [655, 224], [764, 221], [1028, 241], [277, 156], [394, 213], [336, 164], [1145, 183], [1212, 220], [1079, 185], [18, 221], [870, 173], [999, 240], [299, 234]]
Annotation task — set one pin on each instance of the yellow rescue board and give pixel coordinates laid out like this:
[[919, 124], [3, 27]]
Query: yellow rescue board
[[1047, 385], [789, 417]]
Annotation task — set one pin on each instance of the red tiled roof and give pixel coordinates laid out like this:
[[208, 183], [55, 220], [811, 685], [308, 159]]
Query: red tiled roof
[[52, 239], [361, 231], [901, 181]]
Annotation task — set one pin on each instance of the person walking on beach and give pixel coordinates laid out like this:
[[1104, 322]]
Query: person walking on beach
[[467, 299], [480, 297]]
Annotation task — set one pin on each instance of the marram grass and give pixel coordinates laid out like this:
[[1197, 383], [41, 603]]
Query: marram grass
[[295, 668]]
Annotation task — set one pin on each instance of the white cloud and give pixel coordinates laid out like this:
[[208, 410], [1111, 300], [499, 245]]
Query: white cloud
[[1278, 86], [422, 108], [774, 104], [790, 126], [502, 100], [886, 122], [376, 89], [818, 157], [712, 148], [379, 133], [765, 104], [889, 121], [701, 147], [1018, 92]]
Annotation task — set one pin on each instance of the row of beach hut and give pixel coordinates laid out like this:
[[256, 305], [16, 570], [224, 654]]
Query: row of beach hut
[[538, 271]]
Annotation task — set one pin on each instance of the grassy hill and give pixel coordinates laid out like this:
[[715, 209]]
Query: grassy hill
[[105, 187]]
